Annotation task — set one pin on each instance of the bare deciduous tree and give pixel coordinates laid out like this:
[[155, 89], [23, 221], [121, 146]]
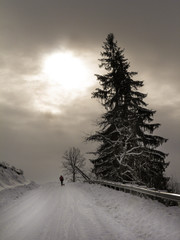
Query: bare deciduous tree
[[72, 159]]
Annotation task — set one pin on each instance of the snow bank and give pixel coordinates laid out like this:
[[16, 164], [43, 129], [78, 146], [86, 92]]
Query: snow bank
[[9, 194], [10, 176], [12, 183], [147, 219]]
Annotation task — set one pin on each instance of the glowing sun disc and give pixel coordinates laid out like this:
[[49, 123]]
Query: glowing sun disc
[[67, 70], [64, 78]]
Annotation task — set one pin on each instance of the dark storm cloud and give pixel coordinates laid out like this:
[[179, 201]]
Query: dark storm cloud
[[149, 32]]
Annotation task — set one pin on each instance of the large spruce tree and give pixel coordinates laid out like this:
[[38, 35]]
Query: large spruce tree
[[127, 150]]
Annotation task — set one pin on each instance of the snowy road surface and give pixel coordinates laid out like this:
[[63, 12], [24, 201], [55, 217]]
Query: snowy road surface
[[78, 212]]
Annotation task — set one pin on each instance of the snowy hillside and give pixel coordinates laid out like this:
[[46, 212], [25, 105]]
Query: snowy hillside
[[10, 176], [12, 183]]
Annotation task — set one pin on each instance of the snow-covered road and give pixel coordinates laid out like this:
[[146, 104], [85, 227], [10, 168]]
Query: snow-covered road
[[72, 212], [55, 212]]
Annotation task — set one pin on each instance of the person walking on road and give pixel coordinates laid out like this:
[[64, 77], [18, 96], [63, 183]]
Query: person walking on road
[[61, 180]]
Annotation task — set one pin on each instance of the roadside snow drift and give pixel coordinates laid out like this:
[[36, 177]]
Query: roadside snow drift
[[12, 183], [10, 176]]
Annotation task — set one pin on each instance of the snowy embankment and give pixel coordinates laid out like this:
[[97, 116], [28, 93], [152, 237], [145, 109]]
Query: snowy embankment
[[147, 219], [12, 183], [80, 211]]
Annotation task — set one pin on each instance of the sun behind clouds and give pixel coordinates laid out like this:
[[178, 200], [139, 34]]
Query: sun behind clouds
[[65, 77], [67, 70]]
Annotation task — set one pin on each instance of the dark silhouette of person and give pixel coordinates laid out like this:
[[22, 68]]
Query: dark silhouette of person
[[61, 180]]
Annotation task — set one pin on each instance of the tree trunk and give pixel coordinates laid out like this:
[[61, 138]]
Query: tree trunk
[[74, 177]]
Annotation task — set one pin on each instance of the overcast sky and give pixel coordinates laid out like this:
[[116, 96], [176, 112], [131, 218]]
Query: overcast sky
[[39, 118]]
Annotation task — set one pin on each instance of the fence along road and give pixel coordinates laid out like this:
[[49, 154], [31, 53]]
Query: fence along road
[[141, 190], [134, 189]]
